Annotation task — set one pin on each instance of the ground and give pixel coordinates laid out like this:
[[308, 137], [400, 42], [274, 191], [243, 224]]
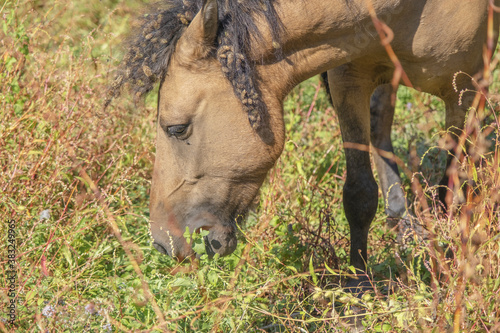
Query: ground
[[75, 184]]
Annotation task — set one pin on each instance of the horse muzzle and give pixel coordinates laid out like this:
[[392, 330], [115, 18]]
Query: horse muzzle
[[170, 240]]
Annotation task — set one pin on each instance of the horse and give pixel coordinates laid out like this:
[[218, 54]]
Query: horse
[[225, 66]]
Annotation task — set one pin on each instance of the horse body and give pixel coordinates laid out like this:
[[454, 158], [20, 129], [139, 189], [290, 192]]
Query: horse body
[[432, 39], [211, 161]]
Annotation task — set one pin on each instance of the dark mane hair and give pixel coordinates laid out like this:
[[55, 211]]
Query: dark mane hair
[[153, 43]]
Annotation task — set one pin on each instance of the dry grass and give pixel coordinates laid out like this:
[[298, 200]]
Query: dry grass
[[76, 181]]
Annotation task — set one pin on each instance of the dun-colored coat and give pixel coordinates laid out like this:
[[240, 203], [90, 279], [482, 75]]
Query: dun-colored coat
[[225, 71]]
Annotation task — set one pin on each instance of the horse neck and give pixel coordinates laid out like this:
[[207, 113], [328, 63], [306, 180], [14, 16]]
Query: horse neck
[[318, 36], [313, 29]]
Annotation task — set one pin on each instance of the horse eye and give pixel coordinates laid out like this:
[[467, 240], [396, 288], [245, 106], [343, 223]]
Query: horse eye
[[178, 131]]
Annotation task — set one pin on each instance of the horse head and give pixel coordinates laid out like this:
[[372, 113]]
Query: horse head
[[210, 159]]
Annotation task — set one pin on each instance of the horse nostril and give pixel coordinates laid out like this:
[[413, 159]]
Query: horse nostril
[[220, 240], [208, 247], [160, 248], [215, 244]]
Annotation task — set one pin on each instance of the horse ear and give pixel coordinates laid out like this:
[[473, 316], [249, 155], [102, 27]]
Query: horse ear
[[210, 20], [199, 38]]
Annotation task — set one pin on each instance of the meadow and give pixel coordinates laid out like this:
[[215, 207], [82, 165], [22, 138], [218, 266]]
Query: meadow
[[75, 185]]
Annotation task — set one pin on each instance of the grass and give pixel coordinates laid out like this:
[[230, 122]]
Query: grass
[[76, 183]]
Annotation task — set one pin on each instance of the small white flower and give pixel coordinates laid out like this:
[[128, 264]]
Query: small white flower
[[45, 214], [48, 311], [90, 308], [107, 327]]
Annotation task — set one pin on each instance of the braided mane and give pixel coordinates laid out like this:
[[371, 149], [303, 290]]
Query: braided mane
[[150, 48]]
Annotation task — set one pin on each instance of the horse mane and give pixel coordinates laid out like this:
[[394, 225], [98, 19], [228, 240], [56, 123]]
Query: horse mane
[[152, 44]]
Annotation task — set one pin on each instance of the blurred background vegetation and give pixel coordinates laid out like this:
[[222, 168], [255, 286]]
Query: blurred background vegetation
[[75, 179]]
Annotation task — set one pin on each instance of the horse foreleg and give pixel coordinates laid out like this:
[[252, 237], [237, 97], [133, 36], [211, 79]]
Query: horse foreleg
[[456, 110], [381, 117], [351, 98]]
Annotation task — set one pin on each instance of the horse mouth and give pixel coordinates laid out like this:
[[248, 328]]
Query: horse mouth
[[221, 239], [215, 243], [160, 248]]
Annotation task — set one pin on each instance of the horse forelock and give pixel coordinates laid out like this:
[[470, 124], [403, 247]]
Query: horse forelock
[[153, 43]]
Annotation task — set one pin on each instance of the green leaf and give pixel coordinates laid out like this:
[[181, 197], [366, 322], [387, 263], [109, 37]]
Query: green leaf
[[311, 271], [67, 255], [274, 221], [187, 235], [9, 63], [201, 278], [474, 173], [30, 295], [299, 169], [497, 284], [213, 277], [330, 270], [386, 327], [199, 246], [182, 282]]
